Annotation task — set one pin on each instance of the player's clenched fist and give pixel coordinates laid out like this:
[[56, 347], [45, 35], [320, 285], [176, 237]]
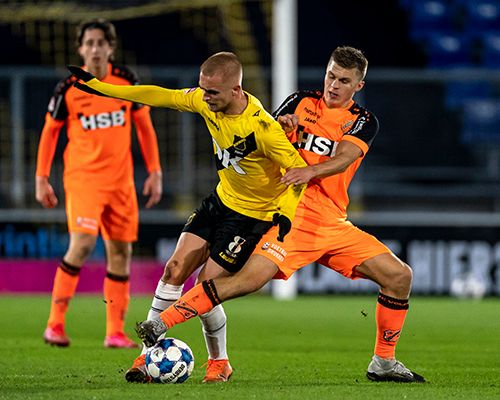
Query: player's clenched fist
[[288, 122]]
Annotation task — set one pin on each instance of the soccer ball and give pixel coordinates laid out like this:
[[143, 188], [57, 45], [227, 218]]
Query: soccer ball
[[169, 361], [468, 286]]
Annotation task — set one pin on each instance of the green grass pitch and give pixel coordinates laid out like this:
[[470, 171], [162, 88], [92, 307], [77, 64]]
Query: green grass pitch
[[310, 348]]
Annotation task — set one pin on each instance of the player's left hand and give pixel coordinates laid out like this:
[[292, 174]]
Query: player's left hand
[[153, 187], [80, 73], [298, 176], [284, 225]]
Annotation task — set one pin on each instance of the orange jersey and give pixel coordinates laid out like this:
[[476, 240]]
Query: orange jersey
[[318, 134], [99, 134]]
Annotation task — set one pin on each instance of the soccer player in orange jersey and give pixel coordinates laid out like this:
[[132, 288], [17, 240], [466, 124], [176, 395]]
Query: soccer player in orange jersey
[[333, 135], [98, 180]]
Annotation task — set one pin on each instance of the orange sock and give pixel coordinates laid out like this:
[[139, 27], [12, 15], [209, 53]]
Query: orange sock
[[390, 316], [65, 283], [199, 300], [117, 298]]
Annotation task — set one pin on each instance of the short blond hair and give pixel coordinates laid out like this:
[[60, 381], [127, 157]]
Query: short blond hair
[[225, 63]]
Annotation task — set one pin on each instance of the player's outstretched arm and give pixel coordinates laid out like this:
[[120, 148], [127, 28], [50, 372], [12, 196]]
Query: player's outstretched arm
[[151, 95]]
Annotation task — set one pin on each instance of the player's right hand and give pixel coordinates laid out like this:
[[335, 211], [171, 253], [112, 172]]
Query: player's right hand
[[289, 122], [45, 192], [80, 73], [153, 187], [284, 225]]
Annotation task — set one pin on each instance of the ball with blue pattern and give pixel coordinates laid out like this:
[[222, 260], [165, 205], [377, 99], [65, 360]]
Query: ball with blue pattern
[[169, 361]]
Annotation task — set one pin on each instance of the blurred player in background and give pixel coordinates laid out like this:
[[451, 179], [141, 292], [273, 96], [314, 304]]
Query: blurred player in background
[[250, 149], [98, 180], [332, 134]]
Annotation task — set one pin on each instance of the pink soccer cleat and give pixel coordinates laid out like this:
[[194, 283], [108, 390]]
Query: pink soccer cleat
[[119, 341], [55, 336]]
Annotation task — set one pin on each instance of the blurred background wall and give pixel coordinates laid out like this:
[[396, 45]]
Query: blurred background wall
[[429, 187]]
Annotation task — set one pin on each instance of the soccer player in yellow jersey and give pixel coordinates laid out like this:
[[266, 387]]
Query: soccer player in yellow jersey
[[333, 134], [251, 150]]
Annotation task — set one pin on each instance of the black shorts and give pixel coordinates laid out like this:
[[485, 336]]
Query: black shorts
[[232, 237]]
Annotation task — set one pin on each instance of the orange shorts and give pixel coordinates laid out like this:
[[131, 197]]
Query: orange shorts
[[112, 212], [334, 243]]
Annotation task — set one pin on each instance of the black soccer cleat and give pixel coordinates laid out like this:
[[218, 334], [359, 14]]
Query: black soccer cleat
[[135, 375], [149, 331]]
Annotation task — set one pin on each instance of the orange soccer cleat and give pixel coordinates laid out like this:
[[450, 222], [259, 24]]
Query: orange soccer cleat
[[137, 372], [218, 371], [55, 336], [119, 341]]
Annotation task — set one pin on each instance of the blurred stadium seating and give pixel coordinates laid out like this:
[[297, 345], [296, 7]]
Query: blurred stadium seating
[[455, 32], [458, 92], [480, 16], [481, 122], [429, 17], [463, 38], [447, 50], [490, 49]]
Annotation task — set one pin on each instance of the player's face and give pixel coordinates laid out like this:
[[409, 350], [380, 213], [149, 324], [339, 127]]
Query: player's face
[[218, 93], [340, 85], [95, 49]]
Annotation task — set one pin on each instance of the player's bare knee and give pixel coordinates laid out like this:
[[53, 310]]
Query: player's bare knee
[[121, 255], [406, 275], [83, 250], [81, 245], [174, 273], [402, 279]]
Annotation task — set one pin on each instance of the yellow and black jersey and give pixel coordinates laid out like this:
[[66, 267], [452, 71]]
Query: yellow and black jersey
[[251, 150]]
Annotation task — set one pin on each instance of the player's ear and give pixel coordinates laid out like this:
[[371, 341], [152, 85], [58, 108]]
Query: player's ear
[[236, 90], [80, 52], [111, 52], [359, 86]]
